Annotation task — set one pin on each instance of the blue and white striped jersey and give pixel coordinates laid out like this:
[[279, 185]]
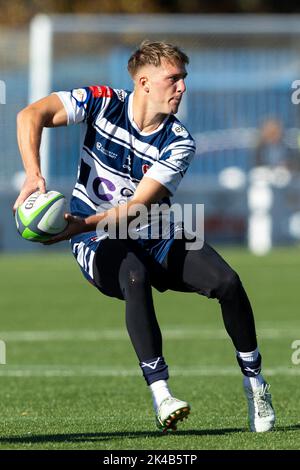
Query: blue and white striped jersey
[[116, 154]]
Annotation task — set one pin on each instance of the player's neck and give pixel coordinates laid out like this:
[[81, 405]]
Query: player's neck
[[144, 117]]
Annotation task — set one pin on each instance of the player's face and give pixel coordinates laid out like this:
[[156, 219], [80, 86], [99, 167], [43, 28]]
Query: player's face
[[166, 86]]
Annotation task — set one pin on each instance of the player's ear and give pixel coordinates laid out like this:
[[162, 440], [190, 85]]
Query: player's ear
[[144, 82]]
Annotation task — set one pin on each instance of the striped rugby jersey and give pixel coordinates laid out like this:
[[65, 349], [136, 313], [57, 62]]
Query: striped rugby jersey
[[115, 154]]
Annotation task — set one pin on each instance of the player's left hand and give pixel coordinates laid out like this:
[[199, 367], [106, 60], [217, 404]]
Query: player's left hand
[[75, 225]]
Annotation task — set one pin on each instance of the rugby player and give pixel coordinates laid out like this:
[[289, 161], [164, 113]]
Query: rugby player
[[135, 153]]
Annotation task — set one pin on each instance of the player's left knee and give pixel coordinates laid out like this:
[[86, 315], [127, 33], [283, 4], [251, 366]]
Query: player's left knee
[[229, 286]]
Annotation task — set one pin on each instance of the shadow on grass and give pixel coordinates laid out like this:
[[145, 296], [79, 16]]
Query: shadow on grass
[[291, 427], [106, 436]]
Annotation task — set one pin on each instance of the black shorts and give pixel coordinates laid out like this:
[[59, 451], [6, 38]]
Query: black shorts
[[185, 270]]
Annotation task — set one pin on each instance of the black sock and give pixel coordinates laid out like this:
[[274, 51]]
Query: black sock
[[154, 369], [250, 368]]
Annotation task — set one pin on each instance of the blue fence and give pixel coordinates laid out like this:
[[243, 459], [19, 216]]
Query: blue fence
[[231, 90], [227, 89]]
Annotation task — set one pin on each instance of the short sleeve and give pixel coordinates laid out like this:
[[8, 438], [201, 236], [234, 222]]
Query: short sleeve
[[173, 164], [83, 103]]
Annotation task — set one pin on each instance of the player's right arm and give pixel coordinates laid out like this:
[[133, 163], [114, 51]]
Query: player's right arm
[[47, 112]]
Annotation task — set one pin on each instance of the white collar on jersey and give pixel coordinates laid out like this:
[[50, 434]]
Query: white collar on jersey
[[130, 116]]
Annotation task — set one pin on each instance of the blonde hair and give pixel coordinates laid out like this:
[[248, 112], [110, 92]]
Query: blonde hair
[[151, 53]]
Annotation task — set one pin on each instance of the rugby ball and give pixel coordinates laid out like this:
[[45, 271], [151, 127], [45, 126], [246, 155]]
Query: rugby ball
[[41, 216]]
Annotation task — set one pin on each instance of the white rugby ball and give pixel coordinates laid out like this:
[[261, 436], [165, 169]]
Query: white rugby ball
[[41, 216]]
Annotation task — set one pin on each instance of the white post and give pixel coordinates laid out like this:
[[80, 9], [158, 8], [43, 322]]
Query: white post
[[260, 201], [40, 60]]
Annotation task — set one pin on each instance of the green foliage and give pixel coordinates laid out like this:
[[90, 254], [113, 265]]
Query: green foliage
[[22, 11]]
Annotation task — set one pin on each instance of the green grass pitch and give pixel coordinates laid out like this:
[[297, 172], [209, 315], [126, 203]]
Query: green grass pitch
[[72, 380]]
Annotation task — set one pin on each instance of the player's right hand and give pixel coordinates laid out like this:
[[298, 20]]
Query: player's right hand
[[75, 226], [31, 184]]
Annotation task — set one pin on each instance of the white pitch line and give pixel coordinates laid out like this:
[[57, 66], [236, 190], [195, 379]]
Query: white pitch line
[[94, 371], [121, 334]]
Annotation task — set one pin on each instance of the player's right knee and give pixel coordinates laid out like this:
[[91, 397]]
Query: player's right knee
[[137, 278], [134, 276]]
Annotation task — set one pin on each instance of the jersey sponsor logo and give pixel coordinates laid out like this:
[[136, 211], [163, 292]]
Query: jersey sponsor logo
[[145, 168], [126, 192], [100, 91], [178, 129], [120, 94], [127, 163], [102, 183], [107, 153], [103, 188], [80, 95]]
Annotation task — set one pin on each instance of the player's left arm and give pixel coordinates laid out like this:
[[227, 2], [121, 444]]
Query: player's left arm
[[149, 191]]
